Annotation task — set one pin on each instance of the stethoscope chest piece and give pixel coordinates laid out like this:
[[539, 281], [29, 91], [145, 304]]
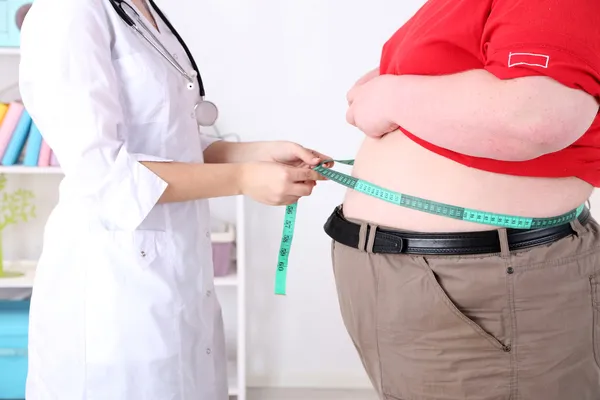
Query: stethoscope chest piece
[[206, 113]]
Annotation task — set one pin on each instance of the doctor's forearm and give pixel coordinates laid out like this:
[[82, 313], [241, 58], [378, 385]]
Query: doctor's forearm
[[197, 181], [234, 152], [477, 114]]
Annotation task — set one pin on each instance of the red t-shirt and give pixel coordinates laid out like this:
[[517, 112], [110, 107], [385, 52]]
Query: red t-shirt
[[510, 39]]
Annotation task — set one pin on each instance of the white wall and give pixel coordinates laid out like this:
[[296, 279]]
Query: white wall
[[280, 70]]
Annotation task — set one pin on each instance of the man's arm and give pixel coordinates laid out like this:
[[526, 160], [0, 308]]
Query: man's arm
[[477, 114]]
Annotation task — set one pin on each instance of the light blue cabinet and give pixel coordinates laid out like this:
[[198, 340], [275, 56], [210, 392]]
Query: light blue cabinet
[[10, 33], [14, 321], [4, 17]]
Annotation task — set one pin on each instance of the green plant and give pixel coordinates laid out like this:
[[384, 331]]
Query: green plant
[[15, 207]]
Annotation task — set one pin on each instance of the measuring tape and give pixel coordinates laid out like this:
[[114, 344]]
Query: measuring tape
[[403, 200]]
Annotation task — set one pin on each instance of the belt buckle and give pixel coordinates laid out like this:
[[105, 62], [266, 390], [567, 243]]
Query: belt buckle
[[388, 243], [399, 246]]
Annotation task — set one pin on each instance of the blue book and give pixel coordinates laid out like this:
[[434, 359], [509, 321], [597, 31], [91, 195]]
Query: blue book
[[34, 145], [17, 142]]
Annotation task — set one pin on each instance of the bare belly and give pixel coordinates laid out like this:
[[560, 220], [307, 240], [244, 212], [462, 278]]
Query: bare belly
[[397, 163]]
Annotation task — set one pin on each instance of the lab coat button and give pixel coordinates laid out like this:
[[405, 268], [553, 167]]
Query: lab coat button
[[207, 234], [193, 115], [208, 293], [208, 351], [143, 253], [175, 56]]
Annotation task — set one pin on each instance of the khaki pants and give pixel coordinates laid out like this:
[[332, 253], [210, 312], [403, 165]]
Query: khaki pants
[[521, 325]]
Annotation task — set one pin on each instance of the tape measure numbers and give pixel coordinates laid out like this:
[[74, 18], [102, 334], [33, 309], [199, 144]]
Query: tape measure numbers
[[415, 203], [284, 248]]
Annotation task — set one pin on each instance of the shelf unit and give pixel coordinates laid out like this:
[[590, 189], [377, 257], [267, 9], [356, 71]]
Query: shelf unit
[[236, 368], [9, 51], [27, 269], [19, 169], [236, 365]]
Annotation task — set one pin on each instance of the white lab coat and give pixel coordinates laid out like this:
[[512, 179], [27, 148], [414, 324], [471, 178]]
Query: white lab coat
[[123, 304]]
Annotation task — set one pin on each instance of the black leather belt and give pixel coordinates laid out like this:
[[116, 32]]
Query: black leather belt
[[464, 243]]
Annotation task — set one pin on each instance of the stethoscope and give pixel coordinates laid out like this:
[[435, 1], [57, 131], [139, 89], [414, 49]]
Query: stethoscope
[[206, 111]]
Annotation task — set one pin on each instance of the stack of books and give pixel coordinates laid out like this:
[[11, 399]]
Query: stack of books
[[20, 140]]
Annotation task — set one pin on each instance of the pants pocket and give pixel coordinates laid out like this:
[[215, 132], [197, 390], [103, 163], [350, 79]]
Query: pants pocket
[[460, 315], [441, 329]]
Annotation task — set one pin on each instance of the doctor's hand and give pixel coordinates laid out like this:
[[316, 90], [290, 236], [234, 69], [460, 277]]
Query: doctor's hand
[[368, 104], [277, 184], [293, 154]]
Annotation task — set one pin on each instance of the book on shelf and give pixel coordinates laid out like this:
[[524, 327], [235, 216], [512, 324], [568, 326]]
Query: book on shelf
[[18, 139], [21, 142], [31, 153], [9, 122]]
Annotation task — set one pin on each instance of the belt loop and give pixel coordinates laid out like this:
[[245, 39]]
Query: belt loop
[[504, 247], [577, 227], [362, 236], [371, 238]]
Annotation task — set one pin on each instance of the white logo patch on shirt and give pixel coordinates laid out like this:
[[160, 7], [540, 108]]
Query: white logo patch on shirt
[[531, 59]]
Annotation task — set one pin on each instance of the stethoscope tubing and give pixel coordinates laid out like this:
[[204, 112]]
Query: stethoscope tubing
[[158, 46], [133, 19], [206, 111]]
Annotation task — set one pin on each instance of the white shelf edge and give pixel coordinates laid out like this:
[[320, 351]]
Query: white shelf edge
[[232, 377], [28, 269], [227, 280], [21, 282], [20, 169], [227, 236], [241, 296], [10, 51]]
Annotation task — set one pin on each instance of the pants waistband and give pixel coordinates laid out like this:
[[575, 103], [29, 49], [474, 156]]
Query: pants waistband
[[463, 243]]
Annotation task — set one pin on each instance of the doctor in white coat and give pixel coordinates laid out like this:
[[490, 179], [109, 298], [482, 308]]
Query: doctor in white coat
[[123, 306]]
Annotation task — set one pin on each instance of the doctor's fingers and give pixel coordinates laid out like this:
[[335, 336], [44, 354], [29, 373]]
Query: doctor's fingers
[[307, 156], [298, 175], [300, 189], [322, 157]]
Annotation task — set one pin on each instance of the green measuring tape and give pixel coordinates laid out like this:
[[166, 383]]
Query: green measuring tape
[[403, 200]]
